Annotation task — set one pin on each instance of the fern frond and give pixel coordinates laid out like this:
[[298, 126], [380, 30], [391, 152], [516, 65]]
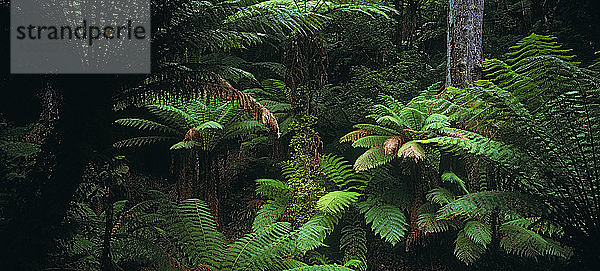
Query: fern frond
[[372, 158], [354, 135], [452, 178], [353, 243], [466, 250], [269, 213], [320, 268], [429, 223], [142, 141], [193, 230], [440, 195], [272, 188], [370, 141], [147, 125], [336, 201], [524, 242], [412, 150], [479, 232], [386, 220], [341, 173], [486, 201]]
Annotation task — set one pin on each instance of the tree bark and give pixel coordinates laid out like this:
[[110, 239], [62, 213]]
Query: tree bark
[[197, 178], [464, 42], [108, 225]]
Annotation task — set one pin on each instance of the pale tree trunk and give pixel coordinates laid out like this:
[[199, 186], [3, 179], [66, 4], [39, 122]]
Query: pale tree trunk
[[464, 42]]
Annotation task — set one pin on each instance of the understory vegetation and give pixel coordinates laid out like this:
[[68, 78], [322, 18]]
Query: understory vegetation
[[323, 135]]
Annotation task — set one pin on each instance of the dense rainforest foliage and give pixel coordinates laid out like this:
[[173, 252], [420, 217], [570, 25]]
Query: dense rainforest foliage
[[315, 135]]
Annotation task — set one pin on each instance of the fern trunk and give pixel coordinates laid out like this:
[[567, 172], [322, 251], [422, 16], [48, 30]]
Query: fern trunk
[[197, 178], [108, 224], [464, 42]]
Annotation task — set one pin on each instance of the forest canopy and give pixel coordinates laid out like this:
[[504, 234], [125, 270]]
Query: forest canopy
[[315, 135]]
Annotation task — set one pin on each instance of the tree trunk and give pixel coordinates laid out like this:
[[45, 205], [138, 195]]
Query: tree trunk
[[464, 42], [108, 225], [197, 178]]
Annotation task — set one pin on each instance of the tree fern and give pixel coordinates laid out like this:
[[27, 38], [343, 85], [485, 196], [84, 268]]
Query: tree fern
[[399, 131], [543, 108], [192, 123]]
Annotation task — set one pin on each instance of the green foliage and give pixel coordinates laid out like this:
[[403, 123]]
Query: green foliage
[[529, 243], [386, 220], [336, 201], [440, 196], [338, 171], [543, 109], [399, 132], [478, 231], [353, 243], [466, 249], [197, 123], [452, 178], [189, 229], [472, 212], [17, 154], [320, 268], [485, 202]]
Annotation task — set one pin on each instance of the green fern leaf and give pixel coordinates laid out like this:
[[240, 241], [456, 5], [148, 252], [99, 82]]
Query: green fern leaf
[[386, 220], [336, 201]]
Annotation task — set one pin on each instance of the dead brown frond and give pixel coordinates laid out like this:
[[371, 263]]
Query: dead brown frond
[[192, 135], [391, 145], [413, 151]]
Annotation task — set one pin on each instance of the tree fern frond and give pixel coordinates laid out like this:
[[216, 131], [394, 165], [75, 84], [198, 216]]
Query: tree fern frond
[[353, 243], [435, 122], [376, 129], [142, 141], [440, 195], [429, 223], [412, 150], [272, 188], [209, 125], [486, 201], [370, 141], [524, 242], [386, 220], [193, 230], [479, 232], [147, 125], [186, 145], [336, 201], [452, 178], [372, 158], [466, 250], [269, 213], [354, 135], [341, 173], [320, 268]]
